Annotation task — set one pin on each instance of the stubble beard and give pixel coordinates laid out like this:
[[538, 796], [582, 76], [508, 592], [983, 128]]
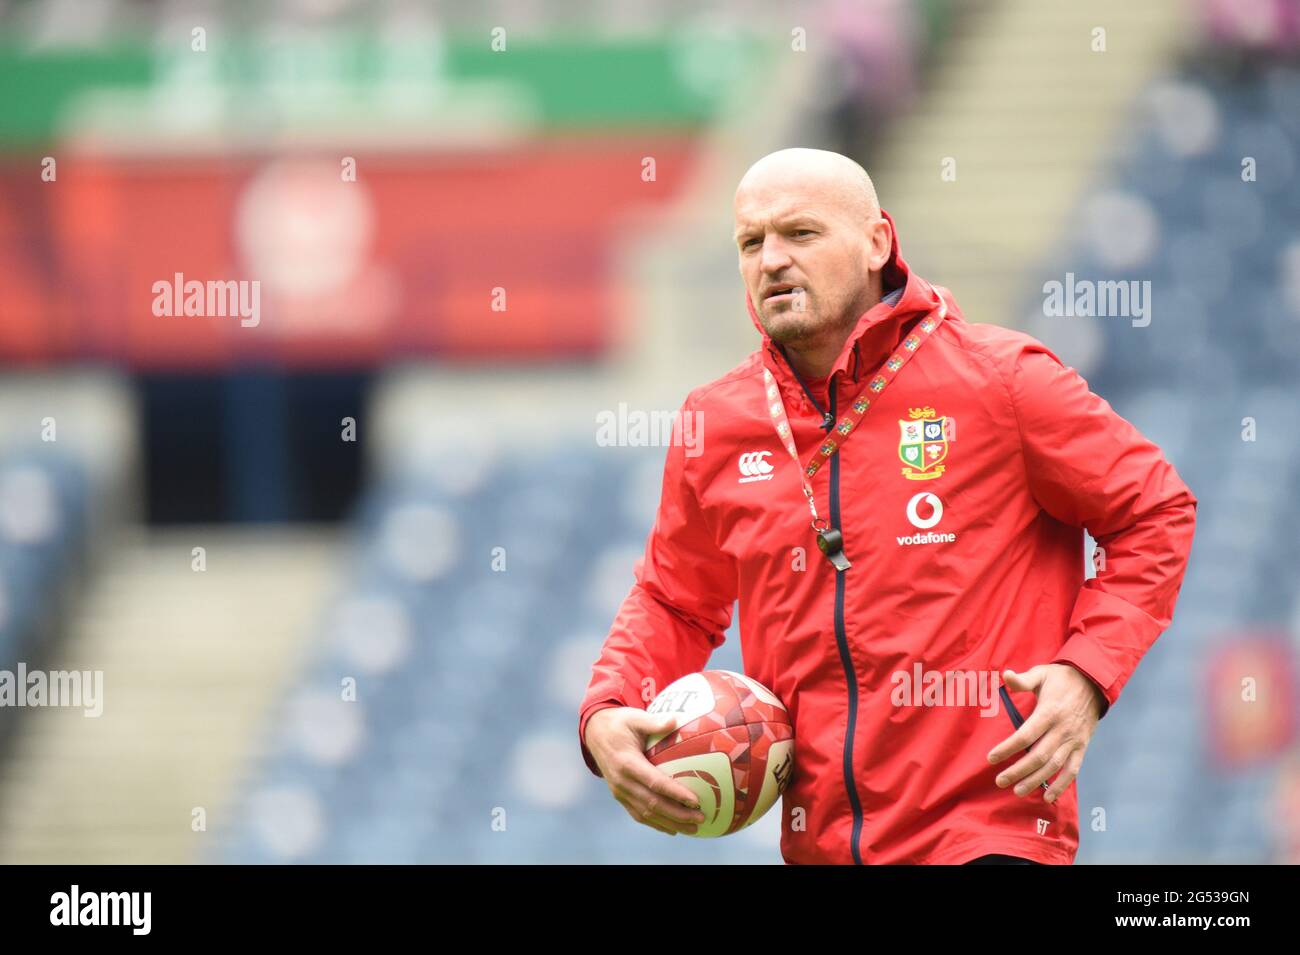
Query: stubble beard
[[802, 329]]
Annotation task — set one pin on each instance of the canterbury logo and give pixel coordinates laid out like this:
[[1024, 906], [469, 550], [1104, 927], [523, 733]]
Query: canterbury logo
[[753, 467]]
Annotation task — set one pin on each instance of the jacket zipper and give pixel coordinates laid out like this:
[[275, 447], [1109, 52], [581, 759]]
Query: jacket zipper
[[841, 638], [850, 675]]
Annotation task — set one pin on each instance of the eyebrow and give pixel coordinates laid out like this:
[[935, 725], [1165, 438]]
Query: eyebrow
[[795, 218]]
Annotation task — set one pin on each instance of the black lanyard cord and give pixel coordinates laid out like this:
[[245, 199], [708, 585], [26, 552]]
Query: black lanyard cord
[[828, 419]]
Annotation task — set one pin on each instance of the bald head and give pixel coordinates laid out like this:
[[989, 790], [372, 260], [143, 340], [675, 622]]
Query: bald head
[[812, 244], [836, 177]]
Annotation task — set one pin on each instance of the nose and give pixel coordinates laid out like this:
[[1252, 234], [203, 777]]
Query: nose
[[775, 257]]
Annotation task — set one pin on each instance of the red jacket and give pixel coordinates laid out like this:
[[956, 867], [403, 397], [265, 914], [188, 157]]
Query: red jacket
[[968, 562]]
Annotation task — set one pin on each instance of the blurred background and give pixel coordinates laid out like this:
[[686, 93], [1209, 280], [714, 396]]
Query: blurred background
[[345, 567]]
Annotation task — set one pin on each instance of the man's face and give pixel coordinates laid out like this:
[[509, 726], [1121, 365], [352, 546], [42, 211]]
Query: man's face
[[805, 260]]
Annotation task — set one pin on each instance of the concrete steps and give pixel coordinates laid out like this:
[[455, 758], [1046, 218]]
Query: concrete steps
[[191, 662], [1028, 111]]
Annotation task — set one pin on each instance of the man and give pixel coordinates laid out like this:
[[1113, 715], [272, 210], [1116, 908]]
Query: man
[[927, 542]]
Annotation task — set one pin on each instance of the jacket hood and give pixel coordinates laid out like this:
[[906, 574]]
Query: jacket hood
[[878, 330]]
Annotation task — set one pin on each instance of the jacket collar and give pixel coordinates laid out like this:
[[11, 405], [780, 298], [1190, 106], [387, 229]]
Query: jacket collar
[[878, 331]]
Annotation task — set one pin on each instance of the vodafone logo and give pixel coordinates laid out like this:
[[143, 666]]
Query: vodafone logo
[[754, 466], [936, 508]]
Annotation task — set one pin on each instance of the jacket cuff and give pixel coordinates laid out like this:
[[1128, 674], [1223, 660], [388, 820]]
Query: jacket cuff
[[1083, 653], [583, 717]]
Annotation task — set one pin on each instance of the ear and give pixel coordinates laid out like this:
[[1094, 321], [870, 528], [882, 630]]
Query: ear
[[878, 234]]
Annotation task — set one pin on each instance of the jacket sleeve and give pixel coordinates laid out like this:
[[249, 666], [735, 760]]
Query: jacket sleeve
[[1090, 468], [677, 611]]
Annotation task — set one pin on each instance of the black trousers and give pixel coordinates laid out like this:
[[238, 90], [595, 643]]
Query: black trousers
[[1002, 860]]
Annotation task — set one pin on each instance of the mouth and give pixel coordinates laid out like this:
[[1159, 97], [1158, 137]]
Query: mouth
[[782, 292]]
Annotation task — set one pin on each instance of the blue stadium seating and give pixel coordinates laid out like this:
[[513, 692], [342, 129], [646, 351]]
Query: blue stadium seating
[[44, 501]]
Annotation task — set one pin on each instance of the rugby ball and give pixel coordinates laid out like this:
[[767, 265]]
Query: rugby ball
[[732, 745]]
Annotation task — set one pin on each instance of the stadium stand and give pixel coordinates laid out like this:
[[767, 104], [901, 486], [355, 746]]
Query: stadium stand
[[43, 539], [426, 713]]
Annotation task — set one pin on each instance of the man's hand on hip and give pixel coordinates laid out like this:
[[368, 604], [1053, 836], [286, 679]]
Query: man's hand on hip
[[1056, 733]]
